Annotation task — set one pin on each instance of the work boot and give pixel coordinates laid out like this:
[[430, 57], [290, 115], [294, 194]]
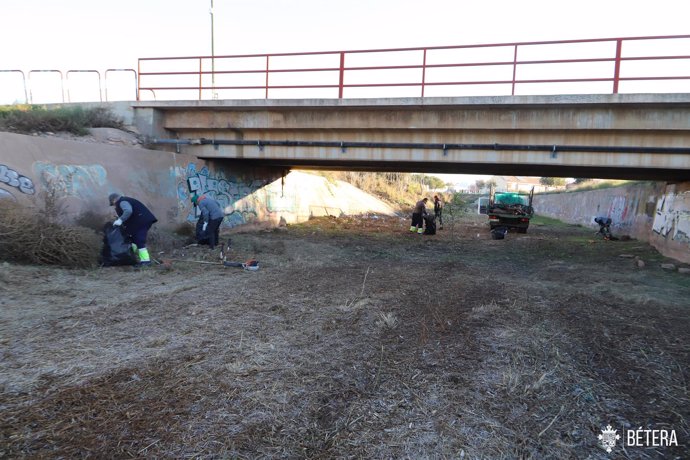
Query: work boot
[[413, 228], [420, 230], [144, 258]]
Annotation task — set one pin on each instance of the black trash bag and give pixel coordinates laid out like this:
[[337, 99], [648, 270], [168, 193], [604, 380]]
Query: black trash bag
[[429, 225], [499, 233], [117, 247], [201, 234]]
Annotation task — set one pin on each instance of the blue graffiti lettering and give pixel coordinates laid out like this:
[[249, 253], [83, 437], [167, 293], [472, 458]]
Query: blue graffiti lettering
[[74, 180], [227, 191], [5, 195], [14, 179]]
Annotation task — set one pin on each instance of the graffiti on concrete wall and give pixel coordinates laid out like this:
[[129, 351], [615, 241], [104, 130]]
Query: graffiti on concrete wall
[[672, 217], [618, 210], [281, 198], [12, 178], [237, 197], [281, 201], [72, 180]]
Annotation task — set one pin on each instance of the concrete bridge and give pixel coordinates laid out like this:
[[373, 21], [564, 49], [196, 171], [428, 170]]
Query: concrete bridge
[[458, 109], [619, 136]]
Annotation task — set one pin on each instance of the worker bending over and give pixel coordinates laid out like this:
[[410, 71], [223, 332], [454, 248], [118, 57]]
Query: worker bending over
[[418, 214], [135, 219], [211, 215]]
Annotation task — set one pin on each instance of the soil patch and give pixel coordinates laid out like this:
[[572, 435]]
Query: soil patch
[[355, 339]]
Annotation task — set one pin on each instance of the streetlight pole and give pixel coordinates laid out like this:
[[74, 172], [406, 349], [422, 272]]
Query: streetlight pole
[[213, 57]]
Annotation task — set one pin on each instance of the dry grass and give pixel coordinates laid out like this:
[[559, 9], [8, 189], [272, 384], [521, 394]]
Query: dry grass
[[34, 118], [348, 343]]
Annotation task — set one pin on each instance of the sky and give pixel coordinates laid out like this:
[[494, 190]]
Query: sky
[[106, 34], [114, 33]]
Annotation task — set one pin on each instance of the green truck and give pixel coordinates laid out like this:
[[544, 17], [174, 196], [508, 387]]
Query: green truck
[[512, 210]]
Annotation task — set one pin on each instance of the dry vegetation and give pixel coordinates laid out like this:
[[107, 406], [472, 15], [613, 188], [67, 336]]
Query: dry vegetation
[[29, 236], [40, 119], [355, 339], [400, 190]]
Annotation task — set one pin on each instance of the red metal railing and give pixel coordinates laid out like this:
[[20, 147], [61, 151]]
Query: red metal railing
[[658, 64], [546, 67]]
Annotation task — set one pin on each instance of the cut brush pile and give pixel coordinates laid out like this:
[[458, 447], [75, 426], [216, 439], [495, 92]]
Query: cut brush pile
[[29, 237]]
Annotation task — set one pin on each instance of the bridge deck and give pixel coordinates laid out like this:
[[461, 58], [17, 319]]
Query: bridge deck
[[645, 136]]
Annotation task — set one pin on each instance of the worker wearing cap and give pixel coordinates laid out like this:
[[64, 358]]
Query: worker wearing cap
[[418, 216], [211, 215], [135, 220]]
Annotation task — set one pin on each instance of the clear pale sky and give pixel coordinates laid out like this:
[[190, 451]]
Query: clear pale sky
[[101, 34], [98, 34]]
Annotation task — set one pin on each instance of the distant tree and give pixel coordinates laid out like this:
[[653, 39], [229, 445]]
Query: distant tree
[[480, 184], [553, 181], [431, 182], [457, 200], [434, 182]]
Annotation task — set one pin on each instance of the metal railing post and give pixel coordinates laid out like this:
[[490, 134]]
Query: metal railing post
[[266, 94], [515, 52], [342, 75], [423, 72], [201, 76], [138, 82], [617, 67]]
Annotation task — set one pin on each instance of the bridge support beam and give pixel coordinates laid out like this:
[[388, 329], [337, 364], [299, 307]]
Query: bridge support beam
[[644, 136]]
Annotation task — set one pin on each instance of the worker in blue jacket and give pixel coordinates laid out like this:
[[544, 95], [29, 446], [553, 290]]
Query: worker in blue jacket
[[211, 215], [135, 219]]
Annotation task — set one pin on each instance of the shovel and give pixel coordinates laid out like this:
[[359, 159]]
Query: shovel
[[251, 264]]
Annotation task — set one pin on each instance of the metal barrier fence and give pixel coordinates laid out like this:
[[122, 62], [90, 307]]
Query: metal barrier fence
[[610, 65], [62, 87], [657, 64]]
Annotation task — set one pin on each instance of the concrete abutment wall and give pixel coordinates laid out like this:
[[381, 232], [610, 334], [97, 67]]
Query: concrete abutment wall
[[657, 213], [85, 173]]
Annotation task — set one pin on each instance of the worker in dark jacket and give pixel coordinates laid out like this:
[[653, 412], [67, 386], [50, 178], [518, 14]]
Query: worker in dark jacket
[[438, 211], [211, 215], [418, 214], [135, 220]]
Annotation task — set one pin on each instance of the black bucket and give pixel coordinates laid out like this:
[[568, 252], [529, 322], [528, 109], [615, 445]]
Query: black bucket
[[499, 233]]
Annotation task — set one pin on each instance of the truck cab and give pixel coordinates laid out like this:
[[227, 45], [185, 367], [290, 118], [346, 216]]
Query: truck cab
[[512, 210]]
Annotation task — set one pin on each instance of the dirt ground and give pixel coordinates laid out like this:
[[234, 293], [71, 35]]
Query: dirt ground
[[354, 339]]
